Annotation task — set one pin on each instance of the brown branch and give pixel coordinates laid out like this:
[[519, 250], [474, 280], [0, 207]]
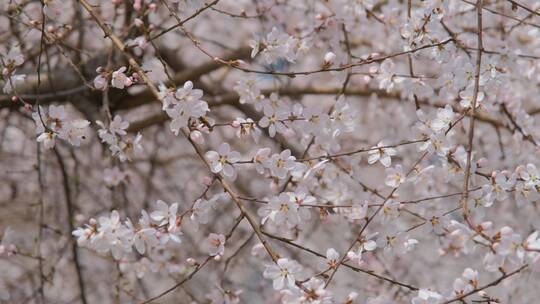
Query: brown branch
[[70, 218], [313, 252], [465, 196], [181, 23]]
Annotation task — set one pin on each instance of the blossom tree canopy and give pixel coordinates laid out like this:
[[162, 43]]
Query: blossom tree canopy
[[269, 151]]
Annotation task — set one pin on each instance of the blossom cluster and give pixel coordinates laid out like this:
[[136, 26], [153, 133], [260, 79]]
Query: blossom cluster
[[182, 105], [121, 145], [153, 233], [52, 123], [330, 152]]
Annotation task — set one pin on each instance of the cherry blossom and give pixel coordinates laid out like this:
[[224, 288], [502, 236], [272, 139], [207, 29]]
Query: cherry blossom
[[280, 164], [249, 91], [467, 97], [332, 259], [395, 176], [146, 235], [247, 127], [387, 78], [119, 79], [139, 139], [182, 105], [383, 155], [200, 210], [121, 145], [100, 82], [223, 160], [14, 57], [444, 118], [216, 244], [426, 296], [329, 59], [165, 214], [280, 210], [366, 244], [284, 271], [396, 243], [53, 123], [273, 120]]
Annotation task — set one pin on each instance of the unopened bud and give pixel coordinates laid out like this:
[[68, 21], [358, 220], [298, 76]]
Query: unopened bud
[[197, 137], [137, 5], [207, 180], [482, 162], [329, 58]]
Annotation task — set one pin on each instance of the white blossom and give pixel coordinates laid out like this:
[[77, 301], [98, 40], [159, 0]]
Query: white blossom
[[383, 155], [120, 80], [223, 160], [216, 244], [284, 271], [426, 296]]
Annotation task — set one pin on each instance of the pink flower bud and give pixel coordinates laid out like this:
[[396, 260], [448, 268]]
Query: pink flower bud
[[207, 180], [137, 5], [197, 137], [482, 162]]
